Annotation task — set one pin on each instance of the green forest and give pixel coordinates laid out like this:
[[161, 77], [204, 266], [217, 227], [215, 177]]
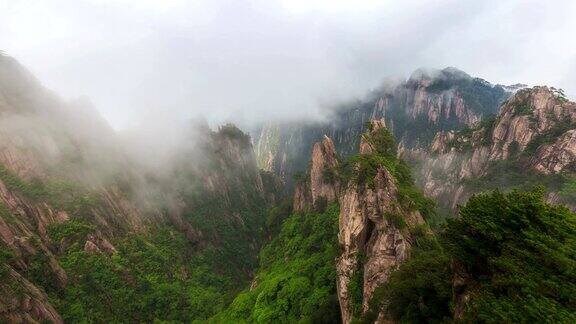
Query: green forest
[[517, 252]]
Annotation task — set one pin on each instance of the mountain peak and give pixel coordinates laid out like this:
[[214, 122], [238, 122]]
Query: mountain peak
[[448, 73]]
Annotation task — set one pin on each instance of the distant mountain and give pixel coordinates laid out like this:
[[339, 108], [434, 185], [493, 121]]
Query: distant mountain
[[415, 110]]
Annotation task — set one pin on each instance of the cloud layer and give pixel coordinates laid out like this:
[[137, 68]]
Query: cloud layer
[[252, 60]]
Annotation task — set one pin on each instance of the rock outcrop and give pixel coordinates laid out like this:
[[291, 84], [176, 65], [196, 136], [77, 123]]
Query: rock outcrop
[[373, 234], [367, 146], [529, 113], [97, 244], [374, 227], [534, 130], [559, 156], [323, 181], [323, 184], [29, 305], [302, 196], [373, 245]]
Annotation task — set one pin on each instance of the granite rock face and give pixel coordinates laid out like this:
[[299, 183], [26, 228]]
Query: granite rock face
[[324, 162], [557, 157], [372, 244], [30, 305], [529, 113], [535, 127]]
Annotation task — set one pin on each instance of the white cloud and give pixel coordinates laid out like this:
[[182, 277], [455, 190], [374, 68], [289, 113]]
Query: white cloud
[[259, 59]]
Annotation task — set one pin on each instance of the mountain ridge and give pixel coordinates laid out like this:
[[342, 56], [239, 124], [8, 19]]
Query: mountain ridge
[[452, 101]]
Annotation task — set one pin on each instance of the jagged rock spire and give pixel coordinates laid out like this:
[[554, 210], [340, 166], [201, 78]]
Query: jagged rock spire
[[323, 185], [373, 231]]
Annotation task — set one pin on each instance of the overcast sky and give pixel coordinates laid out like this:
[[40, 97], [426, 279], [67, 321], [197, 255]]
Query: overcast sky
[[253, 60]]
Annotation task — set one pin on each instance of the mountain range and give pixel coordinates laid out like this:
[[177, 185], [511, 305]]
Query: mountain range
[[377, 213]]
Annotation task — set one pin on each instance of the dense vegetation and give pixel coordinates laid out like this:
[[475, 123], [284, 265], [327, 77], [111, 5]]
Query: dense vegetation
[[233, 233], [506, 174], [296, 281], [157, 276], [160, 275], [517, 252], [159, 272]]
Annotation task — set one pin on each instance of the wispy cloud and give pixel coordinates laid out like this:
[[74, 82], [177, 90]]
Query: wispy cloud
[[254, 60]]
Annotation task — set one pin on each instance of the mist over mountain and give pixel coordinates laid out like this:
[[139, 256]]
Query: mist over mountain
[[287, 162], [252, 61]]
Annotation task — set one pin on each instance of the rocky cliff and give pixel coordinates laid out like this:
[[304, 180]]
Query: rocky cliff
[[376, 216], [530, 139], [323, 186]]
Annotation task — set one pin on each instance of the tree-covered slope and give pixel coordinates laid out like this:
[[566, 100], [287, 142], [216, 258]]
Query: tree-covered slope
[[88, 231], [153, 276], [185, 265], [508, 258], [296, 279]]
